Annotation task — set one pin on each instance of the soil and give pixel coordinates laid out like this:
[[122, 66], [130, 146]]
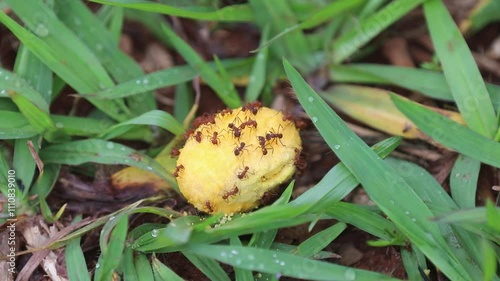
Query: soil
[[406, 43]]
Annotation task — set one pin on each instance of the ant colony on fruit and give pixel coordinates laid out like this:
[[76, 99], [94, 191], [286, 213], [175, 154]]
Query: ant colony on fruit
[[233, 158]]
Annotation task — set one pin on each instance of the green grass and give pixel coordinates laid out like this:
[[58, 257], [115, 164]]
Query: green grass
[[63, 43]]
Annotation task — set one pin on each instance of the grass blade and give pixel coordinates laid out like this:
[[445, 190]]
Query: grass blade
[[75, 261], [463, 181], [258, 75], [230, 13], [158, 118], [387, 189], [319, 241], [460, 70], [283, 264], [226, 92], [143, 268], [351, 41], [112, 253], [104, 152], [449, 133], [208, 266], [162, 272]]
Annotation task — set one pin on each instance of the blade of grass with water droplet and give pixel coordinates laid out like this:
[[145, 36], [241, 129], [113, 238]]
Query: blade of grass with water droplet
[[460, 69], [208, 266], [350, 42], [158, 118], [463, 181], [283, 264], [449, 133], [430, 83], [61, 51], [386, 188], [240, 13], [104, 152], [79, 19], [112, 253]]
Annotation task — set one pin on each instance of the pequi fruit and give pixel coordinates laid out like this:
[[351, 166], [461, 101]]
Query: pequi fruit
[[234, 157]]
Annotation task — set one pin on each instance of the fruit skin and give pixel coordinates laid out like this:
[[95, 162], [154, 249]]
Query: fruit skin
[[234, 157]]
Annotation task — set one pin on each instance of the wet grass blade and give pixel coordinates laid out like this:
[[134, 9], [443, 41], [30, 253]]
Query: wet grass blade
[[112, 253], [460, 70], [104, 152], [430, 83], [319, 241], [350, 42], [158, 118], [226, 93], [240, 13], [283, 264], [93, 33], [208, 266], [50, 43], [463, 181], [240, 274], [386, 188], [451, 134]]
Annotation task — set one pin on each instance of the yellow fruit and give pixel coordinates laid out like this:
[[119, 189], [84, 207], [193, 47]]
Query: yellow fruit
[[233, 158]]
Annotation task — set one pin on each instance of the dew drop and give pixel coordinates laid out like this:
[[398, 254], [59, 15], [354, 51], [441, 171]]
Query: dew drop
[[234, 252], [41, 30], [350, 274], [59, 125], [314, 119], [97, 265], [337, 146], [457, 175], [282, 263], [111, 218], [154, 233], [138, 82], [310, 99], [238, 261], [110, 145], [150, 168], [145, 81], [7, 77], [414, 219], [223, 254], [251, 257], [407, 212], [3, 92]]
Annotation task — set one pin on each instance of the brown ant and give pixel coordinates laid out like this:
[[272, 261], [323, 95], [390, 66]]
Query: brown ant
[[205, 118], [243, 174], [209, 206], [197, 136], [230, 193], [225, 111], [174, 152], [262, 144], [188, 134], [177, 170], [239, 149], [249, 123], [274, 135], [215, 138], [253, 107], [236, 130]]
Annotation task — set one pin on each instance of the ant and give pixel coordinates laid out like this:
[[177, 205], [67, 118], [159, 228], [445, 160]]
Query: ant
[[262, 144], [299, 160], [236, 130], [239, 149], [274, 135], [205, 118], [253, 107], [243, 174], [215, 139], [174, 152], [225, 111], [230, 193], [209, 206], [197, 136], [177, 170], [188, 134], [249, 123]]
